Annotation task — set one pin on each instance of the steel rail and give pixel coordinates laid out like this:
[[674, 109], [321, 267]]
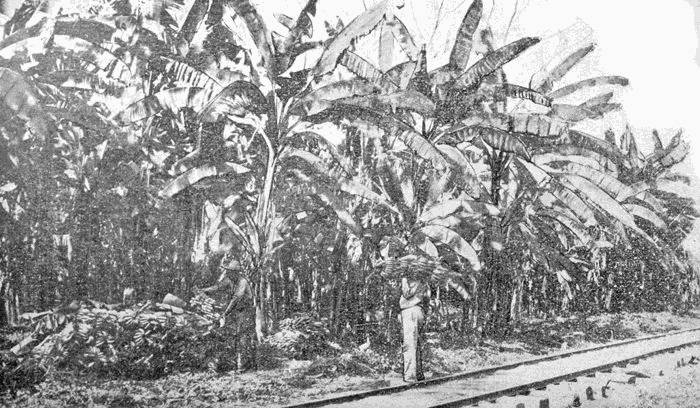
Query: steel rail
[[524, 388], [492, 369]]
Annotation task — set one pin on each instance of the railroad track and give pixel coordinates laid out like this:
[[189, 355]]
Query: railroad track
[[518, 378]]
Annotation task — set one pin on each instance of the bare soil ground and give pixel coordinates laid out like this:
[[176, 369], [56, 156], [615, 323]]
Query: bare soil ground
[[678, 388], [677, 391], [290, 381]]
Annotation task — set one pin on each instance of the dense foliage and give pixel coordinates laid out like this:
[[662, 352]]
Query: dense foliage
[[140, 142]]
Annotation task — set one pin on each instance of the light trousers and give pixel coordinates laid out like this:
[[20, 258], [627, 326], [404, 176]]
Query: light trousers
[[412, 324]]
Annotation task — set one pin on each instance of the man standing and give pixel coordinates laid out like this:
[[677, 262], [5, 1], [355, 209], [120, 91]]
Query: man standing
[[415, 295], [239, 315]]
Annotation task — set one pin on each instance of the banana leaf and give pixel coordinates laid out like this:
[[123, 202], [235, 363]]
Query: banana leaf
[[676, 155], [358, 27], [447, 237], [657, 141], [463, 170], [194, 17], [459, 57], [503, 141], [302, 26], [407, 100], [423, 243], [574, 226], [24, 34], [603, 201], [611, 185], [572, 113], [597, 100], [588, 83], [403, 37], [360, 67], [443, 75], [398, 77], [440, 210], [538, 125], [256, 27], [600, 146], [652, 201], [22, 98], [184, 74], [322, 98], [386, 47], [93, 30], [493, 61], [521, 92], [545, 85], [635, 161], [646, 214], [420, 81], [237, 98], [543, 159], [574, 203], [172, 99], [192, 176]]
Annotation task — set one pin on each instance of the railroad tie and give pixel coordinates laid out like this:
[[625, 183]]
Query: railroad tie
[[576, 402], [604, 390], [589, 393]]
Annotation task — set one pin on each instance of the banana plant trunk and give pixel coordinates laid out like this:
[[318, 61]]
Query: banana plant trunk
[[516, 305], [262, 216], [497, 280], [260, 308], [9, 312]]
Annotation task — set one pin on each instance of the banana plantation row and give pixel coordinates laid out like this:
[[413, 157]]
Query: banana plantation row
[[143, 141]]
